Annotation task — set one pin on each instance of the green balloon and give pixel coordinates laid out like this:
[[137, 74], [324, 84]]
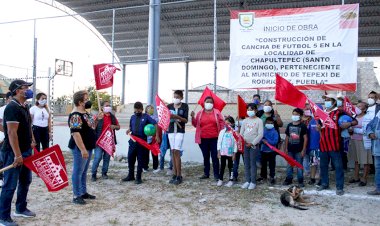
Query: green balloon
[[150, 130]]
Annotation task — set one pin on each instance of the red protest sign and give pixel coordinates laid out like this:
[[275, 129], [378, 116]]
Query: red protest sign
[[163, 114], [106, 141], [50, 166], [104, 75]]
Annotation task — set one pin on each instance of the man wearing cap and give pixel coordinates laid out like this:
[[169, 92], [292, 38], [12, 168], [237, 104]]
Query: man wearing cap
[[18, 143], [8, 98], [330, 145]]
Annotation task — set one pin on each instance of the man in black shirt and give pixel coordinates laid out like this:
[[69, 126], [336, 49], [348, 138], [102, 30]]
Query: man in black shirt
[[18, 143]]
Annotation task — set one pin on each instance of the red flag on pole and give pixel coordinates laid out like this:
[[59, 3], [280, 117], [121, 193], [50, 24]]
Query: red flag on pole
[[290, 160], [289, 94], [348, 107], [50, 166], [106, 141], [238, 139], [154, 147], [242, 107], [104, 75], [319, 114], [163, 114], [218, 103]]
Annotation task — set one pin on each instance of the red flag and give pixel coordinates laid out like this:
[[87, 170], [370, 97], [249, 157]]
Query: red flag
[[348, 107], [319, 114], [290, 160], [104, 75], [106, 141], [50, 166], [154, 147], [163, 114], [218, 103], [242, 107], [239, 140], [289, 94]]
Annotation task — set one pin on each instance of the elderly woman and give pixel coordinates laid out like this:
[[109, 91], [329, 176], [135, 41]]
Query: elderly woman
[[82, 141], [208, 123]]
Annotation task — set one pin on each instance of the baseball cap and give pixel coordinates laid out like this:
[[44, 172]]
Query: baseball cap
[[16, 84], [332, 96]]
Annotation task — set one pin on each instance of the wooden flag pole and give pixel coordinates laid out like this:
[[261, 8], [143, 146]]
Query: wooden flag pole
[[6, 168], [97, 97]]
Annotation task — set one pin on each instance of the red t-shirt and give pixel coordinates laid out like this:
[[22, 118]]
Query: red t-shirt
[[209, 128], [107, 121]]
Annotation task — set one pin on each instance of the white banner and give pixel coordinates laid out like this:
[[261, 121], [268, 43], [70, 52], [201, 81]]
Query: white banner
[[313, 48]]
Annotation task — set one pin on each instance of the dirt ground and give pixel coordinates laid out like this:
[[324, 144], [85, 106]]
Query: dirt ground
[[195, 202]]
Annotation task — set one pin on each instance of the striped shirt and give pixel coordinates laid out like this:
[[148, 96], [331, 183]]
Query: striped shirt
[[330, 138]]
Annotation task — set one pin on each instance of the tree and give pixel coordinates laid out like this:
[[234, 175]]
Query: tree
[[103, 96]]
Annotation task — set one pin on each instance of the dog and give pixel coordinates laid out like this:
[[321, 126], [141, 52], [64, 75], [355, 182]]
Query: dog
[[292, 197]]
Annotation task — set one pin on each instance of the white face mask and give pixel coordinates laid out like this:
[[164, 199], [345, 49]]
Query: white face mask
[[176, 101], [251, 113], [307, 113], [295, 118], [107, 109], [42, 102], [358, 111], [209, 106], [371, 101], [267, 109]]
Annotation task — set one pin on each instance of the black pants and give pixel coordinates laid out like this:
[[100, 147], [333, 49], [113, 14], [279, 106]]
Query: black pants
[[209, 148], [136, 151], [268, 158], [223, 160], [41, 135], [155, 161]]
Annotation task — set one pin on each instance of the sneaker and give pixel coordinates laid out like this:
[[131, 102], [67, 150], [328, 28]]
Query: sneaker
[[138, 181], [8, 222], [319, 183], [272, 181], [260, 179], [374, 192], [169, 172], [353, 181], [311, 182], [245, 185], [79, 201], [104, 176], [301, 185], [178, 180], [156, 170], [287, 182], [322, 187], [1, 183], [362, 184], [174, 178], [339, 192], [145, 170], [204, 177], [251, 186], [93, 178], [219, 183], [229, 184], [128, 178], [26, 213], [88, 196]]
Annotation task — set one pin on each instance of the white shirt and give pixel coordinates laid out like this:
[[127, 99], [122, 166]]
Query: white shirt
[[40, 116], [1, 117], [371, 111]]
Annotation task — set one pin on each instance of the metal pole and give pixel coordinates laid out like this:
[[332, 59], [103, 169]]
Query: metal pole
[[34, 62], [48, 97], [123, 86], [153, 48], [215, 44], [52, 108], [113, 49], [342, 2], [187, 82]]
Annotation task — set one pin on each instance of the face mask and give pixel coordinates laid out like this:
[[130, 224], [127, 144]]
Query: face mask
[[295, 118], [251, 113], [358, 111], [269, 126], [267, 109], [209, 106], [328, 104], [42, 102], [107, 109], [29, 94], [88, 105], [176, 101], [371, 101], [256, 101], [307, 113], [339, 103], [138, 113]]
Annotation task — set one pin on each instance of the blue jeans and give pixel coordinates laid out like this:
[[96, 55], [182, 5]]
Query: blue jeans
[[99, 155], [164, 148], [306, 163], [209, 148], [250, 167], [336, 159], [80, 167], [377, 172], [289, 169], [20, 178], [236, 165]]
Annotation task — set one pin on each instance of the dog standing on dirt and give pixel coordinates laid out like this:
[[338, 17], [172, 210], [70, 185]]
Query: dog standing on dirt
[[293, 197]]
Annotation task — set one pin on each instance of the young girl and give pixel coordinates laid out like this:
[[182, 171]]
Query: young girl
[[226, 150], [252, 131]]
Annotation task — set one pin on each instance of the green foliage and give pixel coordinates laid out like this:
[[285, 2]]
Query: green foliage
[[103, 96]]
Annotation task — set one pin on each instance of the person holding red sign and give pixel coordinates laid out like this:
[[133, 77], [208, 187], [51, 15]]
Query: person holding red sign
[[104, 120], [82, 141]]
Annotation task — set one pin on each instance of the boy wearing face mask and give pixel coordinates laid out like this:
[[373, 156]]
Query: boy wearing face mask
[[267, 155], [252, 131], [296, 144], [105, 119]]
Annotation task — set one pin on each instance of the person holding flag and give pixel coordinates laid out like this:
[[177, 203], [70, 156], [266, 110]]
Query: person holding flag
[[104, 120], [18, 144]]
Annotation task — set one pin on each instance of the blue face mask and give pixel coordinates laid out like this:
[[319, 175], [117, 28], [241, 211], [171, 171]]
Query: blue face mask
[[339, 103], [256, 101], [251, 113], [295, 118], [29, 94], [328, 104]]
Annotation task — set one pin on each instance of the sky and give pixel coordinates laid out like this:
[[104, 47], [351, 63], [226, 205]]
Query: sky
[[68, 39]]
